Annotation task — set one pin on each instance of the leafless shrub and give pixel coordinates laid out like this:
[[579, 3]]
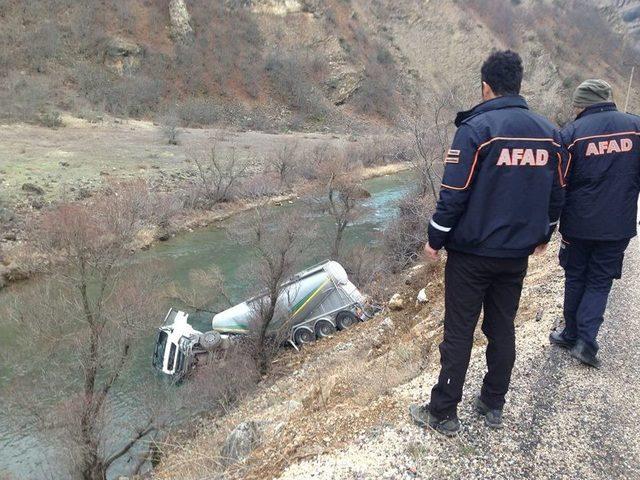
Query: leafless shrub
[[289, 74], [314, 158], [367, 268], [221, 382], [169, 124], [41, 45], [407, 234], [381, 150], [23, 98], [340, 194], [259, 185], [377, 92], [200, 112], [215, 177], [284, 160], [433, 130]]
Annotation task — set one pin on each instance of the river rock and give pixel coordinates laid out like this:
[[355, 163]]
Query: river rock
[[396, 302], [240, 442]]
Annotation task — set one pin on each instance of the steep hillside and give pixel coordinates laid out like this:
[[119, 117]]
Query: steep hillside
[[301, 64]]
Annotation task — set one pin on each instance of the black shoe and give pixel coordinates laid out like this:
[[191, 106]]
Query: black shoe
[[423, 418], [492, 417], [557, 338], [582, 352]]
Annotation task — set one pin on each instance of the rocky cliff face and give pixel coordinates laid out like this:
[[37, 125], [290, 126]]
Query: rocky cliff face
[[626, 14]]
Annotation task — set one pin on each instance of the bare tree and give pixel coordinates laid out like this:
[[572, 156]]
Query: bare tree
[[79, 327], [170, 123], [341, 195], [432, 127], [215, 176], [284, 161], [278, 241]]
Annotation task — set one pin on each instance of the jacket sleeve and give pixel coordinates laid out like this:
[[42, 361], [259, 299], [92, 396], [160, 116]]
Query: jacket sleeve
[[459, 170], [559, 182]]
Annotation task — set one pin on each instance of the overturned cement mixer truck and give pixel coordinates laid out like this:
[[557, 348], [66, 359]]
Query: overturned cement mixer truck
[[312, 304]]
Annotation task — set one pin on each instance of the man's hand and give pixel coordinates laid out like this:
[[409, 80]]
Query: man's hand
[[540, 249], [430, 253]]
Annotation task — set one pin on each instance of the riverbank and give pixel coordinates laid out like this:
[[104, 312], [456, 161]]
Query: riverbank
[[40, 168], [19, 262]]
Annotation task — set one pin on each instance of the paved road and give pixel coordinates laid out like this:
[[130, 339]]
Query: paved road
[[563, 420]]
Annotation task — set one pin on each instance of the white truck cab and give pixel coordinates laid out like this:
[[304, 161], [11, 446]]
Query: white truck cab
[[174, 342]]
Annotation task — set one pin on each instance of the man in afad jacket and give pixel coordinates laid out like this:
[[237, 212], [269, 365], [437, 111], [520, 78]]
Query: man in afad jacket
[[501, 196], [599, 218]]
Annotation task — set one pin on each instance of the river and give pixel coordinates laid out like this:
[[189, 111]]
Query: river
[[22, 455]]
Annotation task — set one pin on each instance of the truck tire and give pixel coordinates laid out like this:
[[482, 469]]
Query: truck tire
[[210, 340], [303, 335], [324, 328], [345, 319]]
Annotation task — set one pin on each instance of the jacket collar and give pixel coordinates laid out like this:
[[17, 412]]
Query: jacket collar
[[597, 108], [506, 101]]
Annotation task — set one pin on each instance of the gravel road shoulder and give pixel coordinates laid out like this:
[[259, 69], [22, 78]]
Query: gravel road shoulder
[[562, 420]]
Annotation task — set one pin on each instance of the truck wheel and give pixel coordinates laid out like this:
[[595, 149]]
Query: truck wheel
[[324, 328], [345, 320], [210, 340], [303, 335]]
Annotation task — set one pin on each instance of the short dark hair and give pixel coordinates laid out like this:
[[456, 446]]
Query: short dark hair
[[503, 72]]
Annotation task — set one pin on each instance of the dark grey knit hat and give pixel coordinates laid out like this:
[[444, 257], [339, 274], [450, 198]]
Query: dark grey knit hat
[[592, 91]]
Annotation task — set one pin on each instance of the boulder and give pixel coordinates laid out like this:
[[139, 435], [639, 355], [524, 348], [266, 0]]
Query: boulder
[[123, 56], [422, 296], [181, 30], [240, 442], [342, 86], [387, 325], [396, 302]]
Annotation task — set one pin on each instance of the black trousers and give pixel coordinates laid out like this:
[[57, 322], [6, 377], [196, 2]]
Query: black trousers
[[472, 283]]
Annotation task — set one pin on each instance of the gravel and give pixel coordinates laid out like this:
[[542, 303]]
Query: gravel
[[562, 419]]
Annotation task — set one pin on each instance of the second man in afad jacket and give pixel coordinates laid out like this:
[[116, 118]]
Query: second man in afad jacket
[[599, 217], [501, 196]]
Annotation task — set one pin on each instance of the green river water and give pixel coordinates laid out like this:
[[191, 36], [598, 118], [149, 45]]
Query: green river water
[[22, 455]]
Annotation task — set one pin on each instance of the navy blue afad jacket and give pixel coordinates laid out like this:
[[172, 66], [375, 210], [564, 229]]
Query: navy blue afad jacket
[[503, 184], [603, 178]]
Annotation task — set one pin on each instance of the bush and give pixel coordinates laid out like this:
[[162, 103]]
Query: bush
[[200, 112], [23, 98], [377, 92], [50, 119], [405, 236], [169, 124], [289, 74]]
